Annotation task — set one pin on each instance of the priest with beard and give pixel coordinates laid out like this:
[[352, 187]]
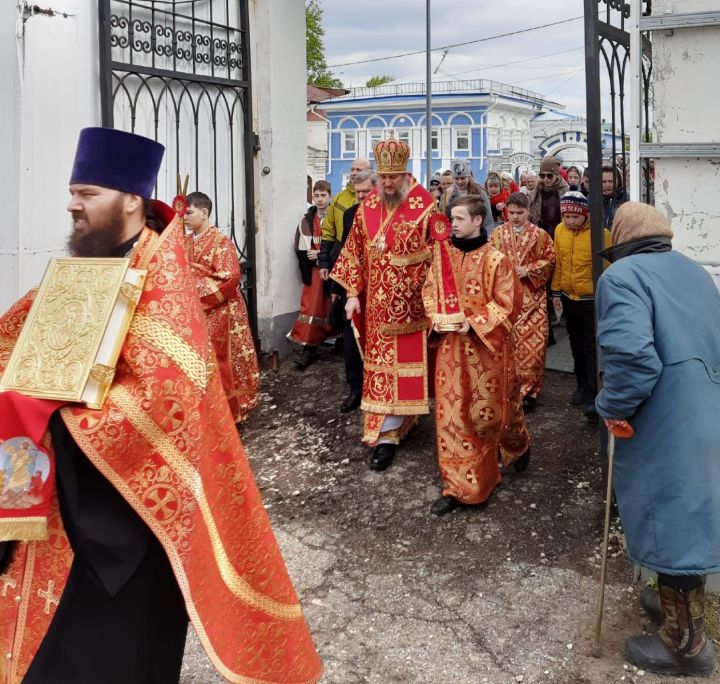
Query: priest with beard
[[155, 516], [382, 267]]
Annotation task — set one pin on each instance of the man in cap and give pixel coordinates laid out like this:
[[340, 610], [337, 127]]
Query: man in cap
[[465, 184], [385, 261], [156, 515], [545, 199]]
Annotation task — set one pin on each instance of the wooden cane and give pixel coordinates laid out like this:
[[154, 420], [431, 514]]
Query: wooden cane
[[606, 540]]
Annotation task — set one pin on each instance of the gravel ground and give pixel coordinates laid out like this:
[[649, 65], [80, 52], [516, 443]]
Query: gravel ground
[[393, 594]]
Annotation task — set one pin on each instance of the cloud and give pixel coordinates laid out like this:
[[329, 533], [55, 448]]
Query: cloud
[[356, 31]]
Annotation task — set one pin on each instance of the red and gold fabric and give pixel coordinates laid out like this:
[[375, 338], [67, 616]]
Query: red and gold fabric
[[214, 263], [166, 440], [533, 249], [477, 391], [386, 259], [312, 326]]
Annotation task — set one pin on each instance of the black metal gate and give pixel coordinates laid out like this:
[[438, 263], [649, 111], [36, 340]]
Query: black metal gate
[[178, 71], [608, 73]]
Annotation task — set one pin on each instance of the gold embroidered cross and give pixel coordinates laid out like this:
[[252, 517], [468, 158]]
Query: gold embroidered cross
[[486, 413], [7, 581], [440, 377], [492, 385], [451, 300], [473, 287], [372, 201], [471, 477], [417, 203], [49, 596], [162, 503]]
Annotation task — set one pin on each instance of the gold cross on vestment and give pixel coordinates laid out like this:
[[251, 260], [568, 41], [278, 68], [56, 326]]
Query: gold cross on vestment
[[49, 596], [473, 287], [372, 202], [7, 581], [417, 203]]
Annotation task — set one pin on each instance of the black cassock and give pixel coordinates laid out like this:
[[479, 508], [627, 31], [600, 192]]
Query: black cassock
[[121, 618]]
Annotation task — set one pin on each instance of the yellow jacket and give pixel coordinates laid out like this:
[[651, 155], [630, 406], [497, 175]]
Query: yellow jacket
[[332, 225], [573, 262]]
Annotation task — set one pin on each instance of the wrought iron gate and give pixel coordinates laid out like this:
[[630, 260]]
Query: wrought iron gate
[[178, 71], [608, 73]]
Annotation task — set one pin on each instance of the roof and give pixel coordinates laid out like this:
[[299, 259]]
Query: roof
[[315, 94], [553, 115]]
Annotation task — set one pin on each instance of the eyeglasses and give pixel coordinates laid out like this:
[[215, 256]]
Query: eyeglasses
[[546, 175]]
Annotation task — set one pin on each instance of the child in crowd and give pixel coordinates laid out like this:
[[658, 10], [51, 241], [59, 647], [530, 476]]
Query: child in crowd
[[572, 288], [498, 197], [477, 389], [531, 251], [313, 323]]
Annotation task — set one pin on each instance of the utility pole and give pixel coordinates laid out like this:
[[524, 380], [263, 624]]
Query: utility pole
[[428, 101]]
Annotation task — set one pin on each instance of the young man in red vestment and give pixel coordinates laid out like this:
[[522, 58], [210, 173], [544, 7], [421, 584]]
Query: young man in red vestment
[[384, 262], [155, 516], [214, 263], [478, 407], [531, 251]]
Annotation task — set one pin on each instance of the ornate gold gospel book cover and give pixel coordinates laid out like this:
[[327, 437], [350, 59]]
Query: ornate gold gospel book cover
[[71, 340]]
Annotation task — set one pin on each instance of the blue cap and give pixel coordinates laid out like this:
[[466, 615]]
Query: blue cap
[[118, 160]]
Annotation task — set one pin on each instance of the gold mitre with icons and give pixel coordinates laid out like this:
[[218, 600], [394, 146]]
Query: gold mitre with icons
[[71, 340], [391, 156]]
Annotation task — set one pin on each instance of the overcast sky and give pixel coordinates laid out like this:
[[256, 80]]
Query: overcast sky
[[365, 29]]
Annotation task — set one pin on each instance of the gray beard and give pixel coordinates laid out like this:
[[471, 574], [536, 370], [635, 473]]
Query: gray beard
[[394, 201]]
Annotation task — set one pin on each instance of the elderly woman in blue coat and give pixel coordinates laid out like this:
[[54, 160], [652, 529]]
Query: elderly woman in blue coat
[[658, 330]]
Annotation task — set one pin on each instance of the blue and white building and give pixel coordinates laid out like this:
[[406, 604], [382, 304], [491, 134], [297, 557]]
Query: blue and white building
[[486, 122]]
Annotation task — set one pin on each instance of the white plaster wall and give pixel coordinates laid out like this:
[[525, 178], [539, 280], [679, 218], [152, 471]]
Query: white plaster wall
[[51, 69], [686, 97], [278, 58]]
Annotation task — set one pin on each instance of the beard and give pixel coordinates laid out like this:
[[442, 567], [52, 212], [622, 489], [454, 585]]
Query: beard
[[98, 239], [395, 200]]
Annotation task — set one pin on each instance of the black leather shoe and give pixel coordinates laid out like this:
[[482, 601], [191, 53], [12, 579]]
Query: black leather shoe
[[522, 463], [650, 603], [650, 653], [351, 401], [529, 404], [444, 505], [307, 358], [381, 456]]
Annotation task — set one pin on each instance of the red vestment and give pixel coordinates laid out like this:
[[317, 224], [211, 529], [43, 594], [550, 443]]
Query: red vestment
[[166, 440], [385, 259], [214, 263], [478, 407], [532, 248]]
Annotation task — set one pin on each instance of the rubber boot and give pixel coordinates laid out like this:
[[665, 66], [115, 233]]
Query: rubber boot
[[680, 647]]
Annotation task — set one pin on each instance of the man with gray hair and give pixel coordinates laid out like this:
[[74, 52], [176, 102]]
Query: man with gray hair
[[365, 182], [332, 226], [465, 184]]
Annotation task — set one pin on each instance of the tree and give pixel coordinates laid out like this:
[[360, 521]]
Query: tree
[[318, 73], [376, 81]]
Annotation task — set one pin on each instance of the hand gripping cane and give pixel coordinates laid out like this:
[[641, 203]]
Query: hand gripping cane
[[622, 429]]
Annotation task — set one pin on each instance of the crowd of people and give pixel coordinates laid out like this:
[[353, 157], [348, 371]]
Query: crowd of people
[[450, 292], [153, 517]]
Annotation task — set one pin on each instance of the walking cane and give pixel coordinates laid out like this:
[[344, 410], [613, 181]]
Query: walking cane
[[621, 429]]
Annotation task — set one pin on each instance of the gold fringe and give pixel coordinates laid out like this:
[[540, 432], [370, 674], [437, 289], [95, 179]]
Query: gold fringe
[[405, 328], [24, 529], [415, 408], [424, 255]]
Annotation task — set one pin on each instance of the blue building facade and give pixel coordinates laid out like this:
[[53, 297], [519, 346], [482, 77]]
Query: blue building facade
[[485, 122]]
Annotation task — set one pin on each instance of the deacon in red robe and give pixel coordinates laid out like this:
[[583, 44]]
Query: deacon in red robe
[[478, 409], [532, 253], [214, 263], [155, 517], [382, 267]]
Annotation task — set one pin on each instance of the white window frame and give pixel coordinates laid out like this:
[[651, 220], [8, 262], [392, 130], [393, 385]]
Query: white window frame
[[462, 132], [346, 136]]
